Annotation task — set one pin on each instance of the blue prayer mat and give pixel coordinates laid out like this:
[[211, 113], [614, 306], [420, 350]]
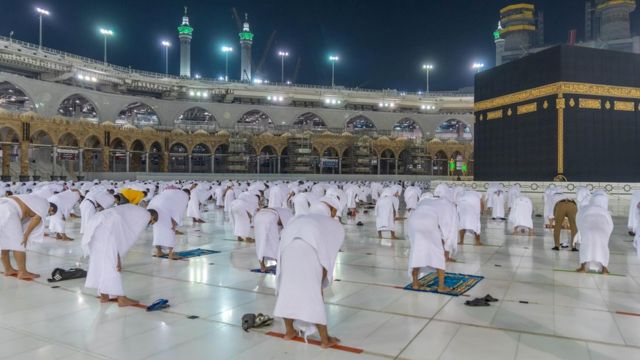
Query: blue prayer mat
[[458, 283]]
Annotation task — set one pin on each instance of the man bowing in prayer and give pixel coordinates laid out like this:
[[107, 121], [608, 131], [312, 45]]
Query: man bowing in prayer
[[21, 220], [425, 237], [107, 239], [307, 255], [65, 201], [171, 206], [595, 227], [385, 211], [267, 225]]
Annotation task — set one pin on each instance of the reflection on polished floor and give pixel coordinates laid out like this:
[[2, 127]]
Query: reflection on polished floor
[[543, 312]]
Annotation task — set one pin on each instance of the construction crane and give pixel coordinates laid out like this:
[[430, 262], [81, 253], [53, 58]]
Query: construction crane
[[294, 79]]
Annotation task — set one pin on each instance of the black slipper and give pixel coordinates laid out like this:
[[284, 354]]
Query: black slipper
[[574, 249], [476, 302], [489, 298], [555, 248]]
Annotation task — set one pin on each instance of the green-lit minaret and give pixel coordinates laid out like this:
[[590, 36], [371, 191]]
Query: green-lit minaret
[[185, 32], [246, 40]]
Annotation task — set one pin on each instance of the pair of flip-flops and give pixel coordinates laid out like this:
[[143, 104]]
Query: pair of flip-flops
[[158, 305], [483, 301], [252, 321]]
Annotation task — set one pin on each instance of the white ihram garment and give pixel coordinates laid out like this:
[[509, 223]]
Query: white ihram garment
[[385, 214], [170, 205], [425, 238], [521, 213], [469, 209], [595, 226], [267, 231]]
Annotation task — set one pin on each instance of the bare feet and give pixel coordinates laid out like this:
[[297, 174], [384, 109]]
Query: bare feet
[[11, 272], [331, 341], [290, 335], [64, 237], [605, 271], [178, 232], [443, 289], [125, 301], [478, 243], [416, 285], [159, 253], [173, 256], [27, 275], [104, 298], [581, 269]]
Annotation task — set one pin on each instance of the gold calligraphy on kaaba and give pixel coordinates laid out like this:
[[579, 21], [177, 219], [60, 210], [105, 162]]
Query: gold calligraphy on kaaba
[[527, 108], [492, 115], [595, 104], [624, 106]]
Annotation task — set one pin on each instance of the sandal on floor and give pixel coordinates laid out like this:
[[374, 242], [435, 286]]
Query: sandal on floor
[[158, 305], [488, 298], [262, 321], [476, 302]]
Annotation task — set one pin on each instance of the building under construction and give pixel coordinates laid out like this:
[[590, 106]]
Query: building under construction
[[607, 26]]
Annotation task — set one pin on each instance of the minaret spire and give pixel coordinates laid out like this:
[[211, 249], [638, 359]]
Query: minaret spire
[[185, 33]]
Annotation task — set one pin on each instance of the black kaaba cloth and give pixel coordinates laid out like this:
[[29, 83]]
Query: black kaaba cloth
[[567, 110]]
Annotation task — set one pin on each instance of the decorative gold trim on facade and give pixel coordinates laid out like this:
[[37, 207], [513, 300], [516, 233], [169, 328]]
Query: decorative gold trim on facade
[[607, 105], [560, 105], [527, 108], [624, 105], [572, 102], [558, 88], [545, 105], [509, 112], [594, 104], [517, 6], [493, 115]]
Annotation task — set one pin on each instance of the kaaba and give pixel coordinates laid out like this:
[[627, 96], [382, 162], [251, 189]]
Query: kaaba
[[567, 112]]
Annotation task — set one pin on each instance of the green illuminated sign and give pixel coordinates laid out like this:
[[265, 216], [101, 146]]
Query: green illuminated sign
[[245, 35], [185, 30]]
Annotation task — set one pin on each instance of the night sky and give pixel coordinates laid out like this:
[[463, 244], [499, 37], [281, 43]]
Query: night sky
[[381, 44]]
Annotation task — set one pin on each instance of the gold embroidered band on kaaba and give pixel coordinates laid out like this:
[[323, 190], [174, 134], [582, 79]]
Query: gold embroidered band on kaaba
[[526, 101]]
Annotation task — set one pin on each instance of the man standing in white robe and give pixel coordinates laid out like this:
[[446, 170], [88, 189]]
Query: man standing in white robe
[[595, 227], [385, 212], [411, 197], [171, 206], [427, 251], [193, 206], [21, 221], [65, 201], [107, 239], [308, 251], [497, 209], [267, 225]]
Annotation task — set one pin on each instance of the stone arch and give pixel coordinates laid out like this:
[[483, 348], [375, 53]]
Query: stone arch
[[15, 98], [9, 134], [407, 128], [137, 156], [255, 119], [178, 157], [68, 140], [221, 155], [387, 162], [201, 158], [155, 157], [92, 154], [440, 163], [92, 142], [79, 106], [268, 160], [309, 120], [330, 152], [358, 123], [118, 144], [197, 118], [118, 155], [139, 114], [454, 129]]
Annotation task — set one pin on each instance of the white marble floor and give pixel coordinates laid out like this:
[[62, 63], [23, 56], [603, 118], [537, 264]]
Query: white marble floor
[[543, 312]]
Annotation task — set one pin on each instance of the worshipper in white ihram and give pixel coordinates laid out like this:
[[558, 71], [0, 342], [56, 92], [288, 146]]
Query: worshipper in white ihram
[[96, 200], [242, 211], [385, 211], [65, 201], [497, 205], [307, 255], [267, 224], [469, 212], [107, 239], [595, 227], [21, 221], [521, 216], [411, 197], [193, 206], [170, 206], [425, 239], [633, 220]]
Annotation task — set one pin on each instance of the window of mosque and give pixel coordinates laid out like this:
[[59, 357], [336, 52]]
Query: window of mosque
[[14, 99], [139, 114], [309, 121], [78, 107], [360, 123], [454, 129], [407, 129]]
